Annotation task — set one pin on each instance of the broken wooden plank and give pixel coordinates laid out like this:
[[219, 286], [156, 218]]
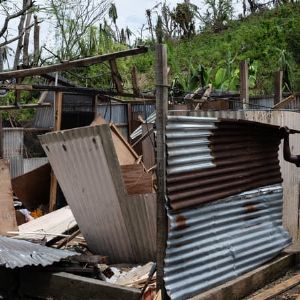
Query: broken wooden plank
[[8, 219], [278, 289], [136, 180], [33, 188], [83, 62], [64, 286], [57, 222], [250, 282]]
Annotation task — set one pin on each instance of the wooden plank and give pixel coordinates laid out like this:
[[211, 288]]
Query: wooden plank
[[8, 219], [116, 76], [33, 187], [148, 146], [277, 289], [83, 62], [244, 84], [246, 284], [161, 120], [278, 77], [57, 222], [136, 180], [134, 80], [65, 286]]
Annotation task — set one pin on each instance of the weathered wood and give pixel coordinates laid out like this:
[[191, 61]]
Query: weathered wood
[[57, 222], [33, 187], [83, 62], [66, 240], [246, 284], [278, 87], [23, 106], [161, 119], [284, 102], [277, 289], [116, 76], [8, 219], [136, 180], [244, 84], [148, 145], [58, 100], [64, 286], [134, 79]]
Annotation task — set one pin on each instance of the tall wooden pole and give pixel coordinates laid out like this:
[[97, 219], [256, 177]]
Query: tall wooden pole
[[278, 87], [244, 84], [161, 120]]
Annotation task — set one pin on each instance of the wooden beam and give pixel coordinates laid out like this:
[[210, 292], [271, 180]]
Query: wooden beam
[[284, 102], [57, 126], [83, 62], [278, 87], [250, 282], [116, 76], [134, 79], [24, 106], [161, 120], [278, 289], [148, 145], [65, 286], [244, 84]]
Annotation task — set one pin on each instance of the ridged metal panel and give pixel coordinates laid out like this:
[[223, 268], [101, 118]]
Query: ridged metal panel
[[18, 253], [13, 146], [211, 158], [30, 164], [115, 113], [101, 208], [145, 110], [77, 103], [213, 243], [44, 117]]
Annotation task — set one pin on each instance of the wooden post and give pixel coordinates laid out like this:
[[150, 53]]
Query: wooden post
[[129, 121], [148, 146], [116, 76], [278, 87], [161, 119], [134, 79], [244, 84], [57, 125]]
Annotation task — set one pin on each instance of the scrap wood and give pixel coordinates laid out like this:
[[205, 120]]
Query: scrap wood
[[125, 153], [33, 188], [8, 219], [278, 289], [57, 222], [285, 101], [66, 240]]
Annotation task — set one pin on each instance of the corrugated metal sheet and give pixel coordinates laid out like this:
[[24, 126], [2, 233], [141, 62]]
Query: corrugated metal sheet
[[86, 166], [77, 103], [29, 164], [115, 113], [145, 109], [19, 253], [44, 117], [214, 243], [211, 158], [13, 146]]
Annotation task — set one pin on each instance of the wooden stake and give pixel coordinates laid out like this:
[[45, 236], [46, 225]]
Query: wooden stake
[[278, 87], [57, 126], [161, 119], [244, 84]]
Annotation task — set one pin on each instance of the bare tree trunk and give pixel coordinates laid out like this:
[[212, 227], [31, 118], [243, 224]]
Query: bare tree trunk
[[20, 41], [26, 39], [36, 42]]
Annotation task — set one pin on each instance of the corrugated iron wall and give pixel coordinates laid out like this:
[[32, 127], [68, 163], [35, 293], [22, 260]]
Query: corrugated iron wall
[[209, 159]]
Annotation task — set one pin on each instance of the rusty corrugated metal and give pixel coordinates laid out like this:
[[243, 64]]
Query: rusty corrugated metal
[[216, 242], [18, 253], [210, 158], [86, 166]]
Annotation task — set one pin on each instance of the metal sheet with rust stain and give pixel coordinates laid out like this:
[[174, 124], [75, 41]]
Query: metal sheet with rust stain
[[210, 158]]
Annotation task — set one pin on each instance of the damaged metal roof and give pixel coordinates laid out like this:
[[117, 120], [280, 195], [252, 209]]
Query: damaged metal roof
[[19, 253], [219, 241]]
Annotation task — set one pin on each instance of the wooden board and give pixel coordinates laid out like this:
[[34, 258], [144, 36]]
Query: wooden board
[[33, 188], [136, 180], [8, 220], [126, 155], [56, 222], [278, 289], [148, 146], [250, 282]]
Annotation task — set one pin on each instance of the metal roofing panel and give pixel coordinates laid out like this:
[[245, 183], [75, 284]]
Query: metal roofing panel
[[213, 243], [84, 161], [19, 253], [29, 164]]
